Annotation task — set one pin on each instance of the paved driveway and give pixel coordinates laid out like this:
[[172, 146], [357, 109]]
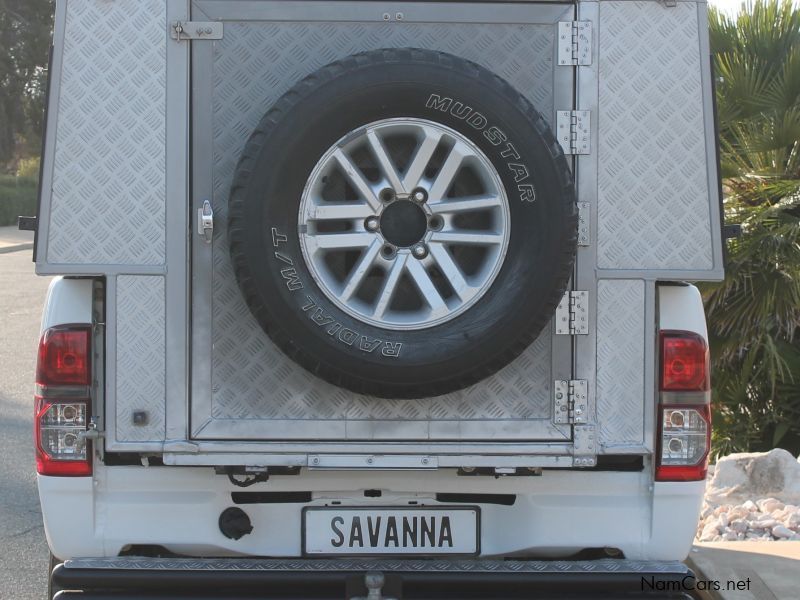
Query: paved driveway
[[23, 550]]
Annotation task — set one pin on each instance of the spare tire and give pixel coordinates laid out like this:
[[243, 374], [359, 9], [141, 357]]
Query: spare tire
[[402, 223]]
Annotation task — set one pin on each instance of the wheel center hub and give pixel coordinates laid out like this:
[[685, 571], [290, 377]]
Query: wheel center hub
[[403, 223]]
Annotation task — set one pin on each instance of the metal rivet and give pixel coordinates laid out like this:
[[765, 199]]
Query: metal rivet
[[399, 16], [386, 16]]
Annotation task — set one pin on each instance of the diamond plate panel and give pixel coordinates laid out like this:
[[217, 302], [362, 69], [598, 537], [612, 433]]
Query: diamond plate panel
[[245, 362], [392, 565], [620, 361], [141, 352], [110, 142], [653, 208]]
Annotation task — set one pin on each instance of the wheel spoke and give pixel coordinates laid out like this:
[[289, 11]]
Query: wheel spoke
[[421, 158], [389, 286], [467, 238], [451, 271], [384, 162], [360, 271], [342, 241], [357, 179], [447, 173], [465, 204], [339, 212], [425, 286]]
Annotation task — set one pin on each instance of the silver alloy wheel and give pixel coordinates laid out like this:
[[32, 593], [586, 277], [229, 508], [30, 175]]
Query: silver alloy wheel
[[404, 223]]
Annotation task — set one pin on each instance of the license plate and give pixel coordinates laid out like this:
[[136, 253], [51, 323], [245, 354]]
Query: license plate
[[373, 531]]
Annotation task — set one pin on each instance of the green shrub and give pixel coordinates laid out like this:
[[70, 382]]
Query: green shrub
[[17, 197], [28, 167]]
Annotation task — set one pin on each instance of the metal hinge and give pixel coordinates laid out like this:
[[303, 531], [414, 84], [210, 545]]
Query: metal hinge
[[574, 43], [573, 129], [572, 314], [571, 401], [205, 221], [195, 30], [584, 446], [583, 224]]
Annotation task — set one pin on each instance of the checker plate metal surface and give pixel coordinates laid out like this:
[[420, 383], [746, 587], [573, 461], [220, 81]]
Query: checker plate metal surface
[[620, 361], [110, 141], [251, 378], [141, 353], [370, 564], [653, 196]]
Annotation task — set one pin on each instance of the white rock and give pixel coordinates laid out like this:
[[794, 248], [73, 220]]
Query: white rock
[[769, 505], [769, 475], [710, 532], [739, 526], [737, 512], [764, 524], [750, 506], [779, 531], [730, 537], [792, 520], [723, 521]]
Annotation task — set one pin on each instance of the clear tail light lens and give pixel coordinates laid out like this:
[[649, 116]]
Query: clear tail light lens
[[684, 410], [685, 437], [60, 447], [62, 407]]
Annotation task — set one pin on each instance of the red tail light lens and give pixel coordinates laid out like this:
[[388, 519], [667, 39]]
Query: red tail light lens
[[62, 411], [64, 356], [684, 362]]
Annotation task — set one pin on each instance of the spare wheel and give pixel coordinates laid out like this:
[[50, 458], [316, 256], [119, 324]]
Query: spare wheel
[[402, 223]]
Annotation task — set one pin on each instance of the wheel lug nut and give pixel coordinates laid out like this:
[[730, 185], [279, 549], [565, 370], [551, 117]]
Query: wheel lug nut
[[419, 251], [388, 251], [419, 195], [371, 224], [387, 195]]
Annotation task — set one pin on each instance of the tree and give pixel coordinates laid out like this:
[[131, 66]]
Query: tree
[[754, 315], [25, 31]]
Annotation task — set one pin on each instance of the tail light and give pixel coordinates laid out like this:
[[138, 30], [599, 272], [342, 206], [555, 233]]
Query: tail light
[[61, 415], [684, 412]]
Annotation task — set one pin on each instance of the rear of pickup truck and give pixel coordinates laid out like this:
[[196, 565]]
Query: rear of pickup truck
[[138, 524], [365, 298]]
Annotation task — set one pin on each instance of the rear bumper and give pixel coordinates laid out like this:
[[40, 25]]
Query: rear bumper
[[552, 516], [127, 577]]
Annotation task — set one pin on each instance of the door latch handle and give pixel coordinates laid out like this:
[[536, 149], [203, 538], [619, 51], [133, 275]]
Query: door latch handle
[[205, 221]]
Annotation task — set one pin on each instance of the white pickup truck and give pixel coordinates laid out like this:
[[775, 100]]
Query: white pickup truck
[[375, 299]]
